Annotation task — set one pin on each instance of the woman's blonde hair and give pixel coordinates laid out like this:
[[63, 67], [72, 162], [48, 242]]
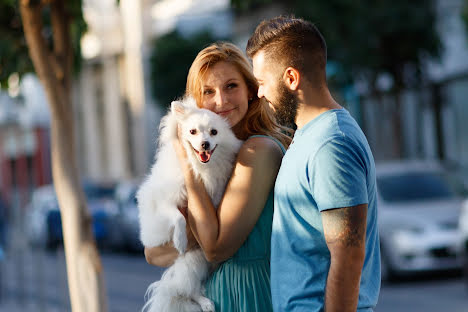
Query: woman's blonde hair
[[259, 118]]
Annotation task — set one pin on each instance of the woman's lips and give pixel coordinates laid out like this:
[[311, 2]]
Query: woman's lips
[[226, 112]]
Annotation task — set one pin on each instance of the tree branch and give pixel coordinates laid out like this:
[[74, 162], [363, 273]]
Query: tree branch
[[62, 41], [32, 24]]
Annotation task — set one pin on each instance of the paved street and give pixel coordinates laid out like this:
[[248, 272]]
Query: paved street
[[127, 277], [45, 288], [444, 292]]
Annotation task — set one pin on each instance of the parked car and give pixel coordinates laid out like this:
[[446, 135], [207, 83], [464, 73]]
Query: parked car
[[463, 247], [44, 219], [42, 201], [128, 221], [418, 218]]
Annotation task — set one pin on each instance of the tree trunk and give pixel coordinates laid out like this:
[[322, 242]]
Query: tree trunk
[[84, 269]]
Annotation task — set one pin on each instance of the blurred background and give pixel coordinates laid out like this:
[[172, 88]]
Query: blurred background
[[400, 67]]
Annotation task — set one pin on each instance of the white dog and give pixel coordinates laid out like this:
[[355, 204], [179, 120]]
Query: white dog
[[211, 149]]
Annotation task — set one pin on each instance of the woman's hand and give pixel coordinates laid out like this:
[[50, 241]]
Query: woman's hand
[[165, 255], [180, 151], [191, 241]]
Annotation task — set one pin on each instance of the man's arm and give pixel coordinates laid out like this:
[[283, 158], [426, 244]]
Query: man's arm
[[345, 235]]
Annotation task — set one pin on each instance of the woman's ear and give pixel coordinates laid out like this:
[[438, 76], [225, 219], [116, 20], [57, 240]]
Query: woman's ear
[[292, 78], [250, 98]]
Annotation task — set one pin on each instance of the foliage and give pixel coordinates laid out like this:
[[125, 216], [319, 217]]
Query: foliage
[[245, 5], [465, 14], [13, 50], [14, 57], [372, 37], [170, 61], [378, 36]]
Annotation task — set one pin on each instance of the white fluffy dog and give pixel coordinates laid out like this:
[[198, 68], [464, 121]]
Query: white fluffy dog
[[211, 149]]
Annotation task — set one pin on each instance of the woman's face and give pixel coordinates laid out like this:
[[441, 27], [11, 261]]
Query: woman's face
[[225, 92]]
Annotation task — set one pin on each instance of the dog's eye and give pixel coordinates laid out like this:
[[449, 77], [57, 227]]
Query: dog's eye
[[214, 132], [193, 131]]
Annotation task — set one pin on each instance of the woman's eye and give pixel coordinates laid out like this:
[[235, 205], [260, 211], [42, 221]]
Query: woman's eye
[[193, 131], [232, 85], [214, 132], [206, 92]]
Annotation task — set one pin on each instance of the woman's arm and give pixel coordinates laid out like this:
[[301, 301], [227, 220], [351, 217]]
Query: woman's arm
[[162, 256], [221, 232]]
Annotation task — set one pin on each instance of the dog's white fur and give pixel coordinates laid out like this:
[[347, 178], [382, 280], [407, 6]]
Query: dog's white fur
[[181, 286]]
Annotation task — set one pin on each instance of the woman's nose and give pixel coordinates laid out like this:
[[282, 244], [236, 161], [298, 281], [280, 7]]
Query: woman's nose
[[220, 98]]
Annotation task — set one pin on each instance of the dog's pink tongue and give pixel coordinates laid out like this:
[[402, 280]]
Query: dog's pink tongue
[[204, 156]]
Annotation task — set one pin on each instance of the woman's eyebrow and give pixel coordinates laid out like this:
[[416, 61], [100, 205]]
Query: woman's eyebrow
[[232, 79], [227, 81]]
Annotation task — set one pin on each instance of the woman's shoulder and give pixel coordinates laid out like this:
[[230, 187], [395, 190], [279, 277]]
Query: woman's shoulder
[[260, 149], [265, 142]]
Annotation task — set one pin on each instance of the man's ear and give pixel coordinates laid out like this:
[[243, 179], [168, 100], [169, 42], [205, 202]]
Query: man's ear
[[292, 78]]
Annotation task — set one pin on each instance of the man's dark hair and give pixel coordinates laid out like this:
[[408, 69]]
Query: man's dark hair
[[289, 41]]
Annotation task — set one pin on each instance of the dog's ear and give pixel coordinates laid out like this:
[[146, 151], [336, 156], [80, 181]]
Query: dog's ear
[[178, 109], [190, 103], [183, 107]]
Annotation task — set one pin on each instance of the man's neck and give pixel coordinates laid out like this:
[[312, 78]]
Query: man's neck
[[312, 103]]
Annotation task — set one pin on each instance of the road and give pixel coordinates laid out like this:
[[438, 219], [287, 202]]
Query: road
[[44, 286]]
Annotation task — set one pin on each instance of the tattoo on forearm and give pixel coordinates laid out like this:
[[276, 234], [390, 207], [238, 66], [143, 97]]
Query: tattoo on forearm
[[346, 226]]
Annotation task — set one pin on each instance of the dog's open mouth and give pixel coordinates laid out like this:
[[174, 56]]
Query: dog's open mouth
[[205, 156]]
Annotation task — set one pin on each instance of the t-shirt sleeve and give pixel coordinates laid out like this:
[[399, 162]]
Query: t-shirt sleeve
[[337, 175]]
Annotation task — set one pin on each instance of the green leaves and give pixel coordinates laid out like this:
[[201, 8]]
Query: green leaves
[[465, 14], [170, 61], [245, 5], [14, 56], [371, 36], [380, 36]]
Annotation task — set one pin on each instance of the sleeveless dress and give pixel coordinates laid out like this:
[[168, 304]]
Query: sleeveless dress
[[242, 283]]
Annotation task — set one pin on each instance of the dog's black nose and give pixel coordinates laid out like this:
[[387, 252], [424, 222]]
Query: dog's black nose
[[206, 145]]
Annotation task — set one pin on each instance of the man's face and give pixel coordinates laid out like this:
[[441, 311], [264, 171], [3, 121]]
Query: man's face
[[271, 86]]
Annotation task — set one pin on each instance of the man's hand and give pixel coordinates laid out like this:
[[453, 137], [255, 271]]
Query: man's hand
[[345, 235]]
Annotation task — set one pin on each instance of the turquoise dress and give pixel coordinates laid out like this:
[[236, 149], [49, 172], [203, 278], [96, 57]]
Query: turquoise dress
[[242, 283]]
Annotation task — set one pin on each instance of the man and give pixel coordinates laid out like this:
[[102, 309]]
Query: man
[[325, 246]]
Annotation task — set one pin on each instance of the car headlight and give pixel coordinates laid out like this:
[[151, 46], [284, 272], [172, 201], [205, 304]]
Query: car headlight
[[463, 223], [407, 240]]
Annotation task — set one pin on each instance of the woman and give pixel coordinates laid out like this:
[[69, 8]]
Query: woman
[[237, 233]]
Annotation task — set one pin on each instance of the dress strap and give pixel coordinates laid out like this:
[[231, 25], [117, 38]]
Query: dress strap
[[272, 138]]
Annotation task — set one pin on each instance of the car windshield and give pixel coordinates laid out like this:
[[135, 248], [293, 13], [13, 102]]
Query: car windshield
[[95, 191], [413, 187]]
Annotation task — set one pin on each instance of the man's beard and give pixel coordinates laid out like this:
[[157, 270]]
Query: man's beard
[[285, 106]]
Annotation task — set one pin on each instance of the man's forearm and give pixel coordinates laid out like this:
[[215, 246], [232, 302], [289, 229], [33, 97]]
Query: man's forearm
[[342, 289], [345, 234]]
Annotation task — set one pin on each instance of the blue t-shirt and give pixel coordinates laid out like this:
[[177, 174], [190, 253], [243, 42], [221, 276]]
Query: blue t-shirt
[[328, 165]]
